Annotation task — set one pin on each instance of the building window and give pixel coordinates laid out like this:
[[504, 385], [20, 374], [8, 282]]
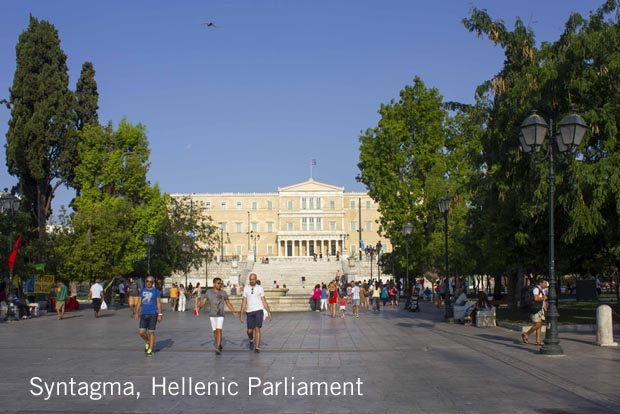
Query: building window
[[289, 204], [311, 203], [223, 227], [239, 205], [223, 205], [239, 249], [303, 203], [255, 227], [332, 225], [352, 204], [290, 226], [208, 205], [239, 227], [368, 225], [254, 205], [269, 227], [304, 223], [353, 226], [270, 250], [353, 249], [319, 223], [269, 205], [332, 205], [311, 221], [318, 203], [368, 204]]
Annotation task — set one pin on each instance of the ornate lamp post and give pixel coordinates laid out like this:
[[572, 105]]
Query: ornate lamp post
[[254, 237], [186, 250], [406, 231], [9, 203], [533, 131], [209, 255], [371, 251], [378, 249], [149, 240], [444, 208]]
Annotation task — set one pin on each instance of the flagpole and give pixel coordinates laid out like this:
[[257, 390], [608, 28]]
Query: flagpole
[[311, 169]]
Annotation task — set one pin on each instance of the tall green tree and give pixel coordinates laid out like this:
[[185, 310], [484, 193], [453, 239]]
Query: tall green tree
[[41, 140], [402, 164], [87, 97]]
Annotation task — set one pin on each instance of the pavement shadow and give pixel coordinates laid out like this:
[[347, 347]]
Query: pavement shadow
[[71, 317], [166, 343]]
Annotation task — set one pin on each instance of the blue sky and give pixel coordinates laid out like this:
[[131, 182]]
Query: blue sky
[[244, 107]]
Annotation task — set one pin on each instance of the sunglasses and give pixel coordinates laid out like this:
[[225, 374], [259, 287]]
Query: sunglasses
[[218, 283], [149, 281]]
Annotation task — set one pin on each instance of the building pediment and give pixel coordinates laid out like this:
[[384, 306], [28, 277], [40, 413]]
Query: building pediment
[[310, 186]]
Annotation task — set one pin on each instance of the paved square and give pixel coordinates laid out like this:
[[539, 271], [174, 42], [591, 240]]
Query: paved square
[[392, 362]]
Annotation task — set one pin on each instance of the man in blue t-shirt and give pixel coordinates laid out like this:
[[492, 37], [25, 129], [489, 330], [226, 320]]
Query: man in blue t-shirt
[[149, 309]]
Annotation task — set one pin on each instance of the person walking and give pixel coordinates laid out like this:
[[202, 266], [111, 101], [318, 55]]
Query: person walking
[[149, 309], [174, 296], [333, 298], [122, 292], [537, 313], [323, 297], [316, 298], [96, 295], [61, 298], [182, 298], [376, 297], [216, 297], [355, 292], [132, 291], [254, 304]]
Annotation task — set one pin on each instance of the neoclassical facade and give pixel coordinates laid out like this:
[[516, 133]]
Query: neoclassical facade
[[298, 220]]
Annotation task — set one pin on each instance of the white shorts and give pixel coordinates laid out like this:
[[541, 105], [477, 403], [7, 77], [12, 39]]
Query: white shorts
[[217, 322], [343, 307]]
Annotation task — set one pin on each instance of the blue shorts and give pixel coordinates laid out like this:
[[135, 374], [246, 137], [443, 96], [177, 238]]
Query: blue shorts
[[255, 319], [148, 322]]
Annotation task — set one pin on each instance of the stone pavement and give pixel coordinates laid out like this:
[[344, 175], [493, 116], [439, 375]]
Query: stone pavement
[[403, 362]]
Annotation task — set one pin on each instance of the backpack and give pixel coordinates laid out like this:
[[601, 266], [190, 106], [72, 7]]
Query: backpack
[[528, 302]]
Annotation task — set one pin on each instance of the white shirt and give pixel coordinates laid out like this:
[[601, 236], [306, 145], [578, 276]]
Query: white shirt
[[254, 297], [96, 291], [356, 292]]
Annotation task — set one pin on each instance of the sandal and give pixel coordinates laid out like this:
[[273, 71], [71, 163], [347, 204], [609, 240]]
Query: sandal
[[539, 343], [525, 339]]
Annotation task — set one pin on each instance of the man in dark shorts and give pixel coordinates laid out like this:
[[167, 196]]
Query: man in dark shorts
[[254, 304], [217, 298], [149, 309]]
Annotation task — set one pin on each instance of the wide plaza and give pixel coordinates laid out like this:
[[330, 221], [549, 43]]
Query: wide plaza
[[396, 361]]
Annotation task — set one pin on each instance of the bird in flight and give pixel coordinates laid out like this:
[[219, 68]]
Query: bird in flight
[[210, 24]]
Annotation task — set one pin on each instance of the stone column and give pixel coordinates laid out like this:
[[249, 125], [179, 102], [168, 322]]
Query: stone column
[[604, 326]]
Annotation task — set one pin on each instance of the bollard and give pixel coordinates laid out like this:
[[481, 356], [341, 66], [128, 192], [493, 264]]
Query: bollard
[[604, 327]]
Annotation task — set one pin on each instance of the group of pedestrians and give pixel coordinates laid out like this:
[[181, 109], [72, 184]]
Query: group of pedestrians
[[337, 294], [148, 310]]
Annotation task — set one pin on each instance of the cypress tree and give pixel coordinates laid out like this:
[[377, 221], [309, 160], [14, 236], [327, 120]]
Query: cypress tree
[[41, 140], [87, 97]]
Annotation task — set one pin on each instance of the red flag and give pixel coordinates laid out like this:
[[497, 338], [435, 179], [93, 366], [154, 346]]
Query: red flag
[[13, 255]]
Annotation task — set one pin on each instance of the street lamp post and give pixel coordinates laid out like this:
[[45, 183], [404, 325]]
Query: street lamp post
[[209, 254], [9, 203], [444, 208], [378, 250], [186, 250], [149, 240], [254, 237], [406, 231], [533, 131], [371, 251], [221, 242]]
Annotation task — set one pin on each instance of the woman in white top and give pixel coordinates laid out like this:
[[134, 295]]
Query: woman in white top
[[182, 298]]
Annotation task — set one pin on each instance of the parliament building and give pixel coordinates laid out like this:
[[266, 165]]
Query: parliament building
[[303, 219]]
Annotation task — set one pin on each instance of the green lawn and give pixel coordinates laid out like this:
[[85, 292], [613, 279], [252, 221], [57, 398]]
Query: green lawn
[[571, 313]]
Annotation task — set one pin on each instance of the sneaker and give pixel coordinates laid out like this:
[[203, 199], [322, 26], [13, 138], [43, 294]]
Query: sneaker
[[251, 345], [149, 352], [219, 348], [218, 351], [257, 350], [195, 312], [146, 348]]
